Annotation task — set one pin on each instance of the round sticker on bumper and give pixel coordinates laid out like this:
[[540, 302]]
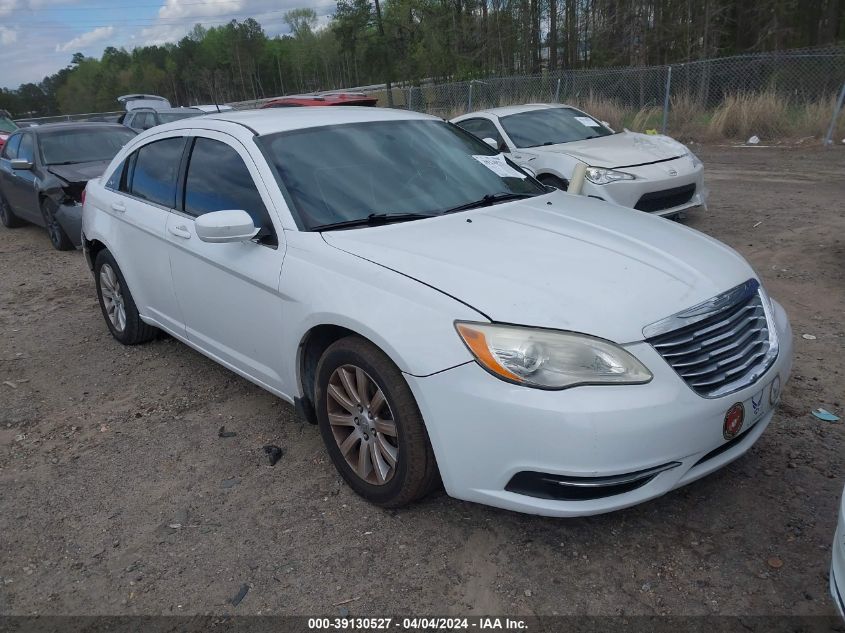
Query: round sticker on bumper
[[733, 421]]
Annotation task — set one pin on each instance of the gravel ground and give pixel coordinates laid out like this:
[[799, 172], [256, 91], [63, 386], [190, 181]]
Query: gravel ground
[[118, 497]]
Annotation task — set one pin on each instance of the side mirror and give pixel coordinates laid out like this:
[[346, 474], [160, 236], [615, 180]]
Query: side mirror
[[21, 163], [225, 226], [491, 142]]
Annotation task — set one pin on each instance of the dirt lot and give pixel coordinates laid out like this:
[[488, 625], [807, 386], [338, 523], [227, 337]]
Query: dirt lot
[[117, 496]]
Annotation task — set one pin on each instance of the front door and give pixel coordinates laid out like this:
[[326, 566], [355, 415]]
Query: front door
[[229, 293]]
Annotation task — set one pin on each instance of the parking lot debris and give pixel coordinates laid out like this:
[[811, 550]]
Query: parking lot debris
[[774, 562], [758, 224], [240, 595], [808, 337], [825, 415], [754, 140], [9, 383], [230, 483], [274, 453], [222, 432], [344, 612]]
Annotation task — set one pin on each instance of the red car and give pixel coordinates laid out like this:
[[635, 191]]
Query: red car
[[327, 99], [7, 126]]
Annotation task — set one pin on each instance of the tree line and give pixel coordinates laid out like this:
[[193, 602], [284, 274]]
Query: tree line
[[408, 41]]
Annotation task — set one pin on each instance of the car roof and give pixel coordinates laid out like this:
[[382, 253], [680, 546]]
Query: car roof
[[164, 110], [73, 125], [514, 109], [272, 120]]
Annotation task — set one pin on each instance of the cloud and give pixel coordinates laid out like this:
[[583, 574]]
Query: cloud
[[86, 39], [7, 36]]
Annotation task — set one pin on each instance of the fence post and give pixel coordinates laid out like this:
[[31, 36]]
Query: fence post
[[666, 100], [410, 96], [557, 91], [828, 139], [469, 101]]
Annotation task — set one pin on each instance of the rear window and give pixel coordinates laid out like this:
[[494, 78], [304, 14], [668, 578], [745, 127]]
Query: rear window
[[153, 171]]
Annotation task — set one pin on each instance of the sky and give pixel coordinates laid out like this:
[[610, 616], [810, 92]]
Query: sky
[[38, 37]]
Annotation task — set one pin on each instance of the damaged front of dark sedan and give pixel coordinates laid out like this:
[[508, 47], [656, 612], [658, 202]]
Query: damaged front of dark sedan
[[44, 171]]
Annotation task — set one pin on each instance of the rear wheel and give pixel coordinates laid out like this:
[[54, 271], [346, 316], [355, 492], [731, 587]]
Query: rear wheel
[[553, 181], [7, 216], [58, 237], [371, 425], [117, 304]]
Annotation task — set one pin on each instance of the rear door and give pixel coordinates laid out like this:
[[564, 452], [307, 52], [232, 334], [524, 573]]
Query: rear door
[[10, 152], [228, 293], [140, 196]]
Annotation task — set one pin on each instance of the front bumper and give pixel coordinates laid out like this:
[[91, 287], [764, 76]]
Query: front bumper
[[837, 565], [485, 431], [70, 217], [651, 179]]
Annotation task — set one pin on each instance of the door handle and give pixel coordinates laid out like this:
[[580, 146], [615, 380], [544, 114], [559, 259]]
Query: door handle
[[118, 206], [180, 231]]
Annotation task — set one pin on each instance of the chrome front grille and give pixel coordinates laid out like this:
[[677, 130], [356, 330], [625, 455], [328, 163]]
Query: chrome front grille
[[721, 345]]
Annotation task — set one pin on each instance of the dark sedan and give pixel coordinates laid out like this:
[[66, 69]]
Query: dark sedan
[[44, 170]]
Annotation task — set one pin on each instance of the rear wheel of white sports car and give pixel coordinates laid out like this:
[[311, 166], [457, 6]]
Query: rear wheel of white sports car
[[371, 425]]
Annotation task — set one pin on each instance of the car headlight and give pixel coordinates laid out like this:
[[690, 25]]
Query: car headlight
[[604, 176], [549, 359], [696, 161]]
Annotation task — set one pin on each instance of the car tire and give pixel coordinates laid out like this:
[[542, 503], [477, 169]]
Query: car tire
[[58, 237], [553, 181], [117, 304], [378, 443], [7, 216]]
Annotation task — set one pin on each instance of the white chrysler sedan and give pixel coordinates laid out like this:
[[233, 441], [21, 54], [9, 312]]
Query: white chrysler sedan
[[439, 313], [651, 173]]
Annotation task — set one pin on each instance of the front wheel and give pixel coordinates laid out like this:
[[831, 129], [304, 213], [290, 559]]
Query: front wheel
[[371, 425], [117, 303], [58, 237]]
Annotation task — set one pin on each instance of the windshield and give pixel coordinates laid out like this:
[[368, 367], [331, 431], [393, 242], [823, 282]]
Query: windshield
[[342, 173], [7, 125], [167, 117], [551, 126], [63, 147]]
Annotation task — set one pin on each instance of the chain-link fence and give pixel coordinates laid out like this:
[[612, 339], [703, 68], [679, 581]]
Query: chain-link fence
[[797, 93], [788, 93]]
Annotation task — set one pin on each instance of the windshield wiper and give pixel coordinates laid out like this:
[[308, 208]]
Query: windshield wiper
[[489, 200], [374, 219]]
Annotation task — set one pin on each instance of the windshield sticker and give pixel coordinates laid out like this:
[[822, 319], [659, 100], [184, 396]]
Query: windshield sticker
[[587, 121], [499, 166]]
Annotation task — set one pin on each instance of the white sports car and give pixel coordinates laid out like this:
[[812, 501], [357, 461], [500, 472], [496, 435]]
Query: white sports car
[[652, 173]]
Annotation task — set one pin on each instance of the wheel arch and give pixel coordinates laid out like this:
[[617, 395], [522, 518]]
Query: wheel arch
[[312, 345]]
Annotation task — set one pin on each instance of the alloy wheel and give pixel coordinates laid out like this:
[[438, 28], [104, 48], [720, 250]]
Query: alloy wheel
[[362, 424], [53, 226], [112, 297]]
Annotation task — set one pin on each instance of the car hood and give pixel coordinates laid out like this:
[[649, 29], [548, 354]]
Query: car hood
[[79, 172], [625, 149], [557, 261]]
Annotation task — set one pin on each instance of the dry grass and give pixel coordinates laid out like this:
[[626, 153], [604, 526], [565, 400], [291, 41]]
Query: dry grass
[[738, 117]]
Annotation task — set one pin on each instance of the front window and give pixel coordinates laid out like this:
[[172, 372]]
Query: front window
[[169, 117], [551, 126], [343, 173], [65, 147], [7, 125]]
